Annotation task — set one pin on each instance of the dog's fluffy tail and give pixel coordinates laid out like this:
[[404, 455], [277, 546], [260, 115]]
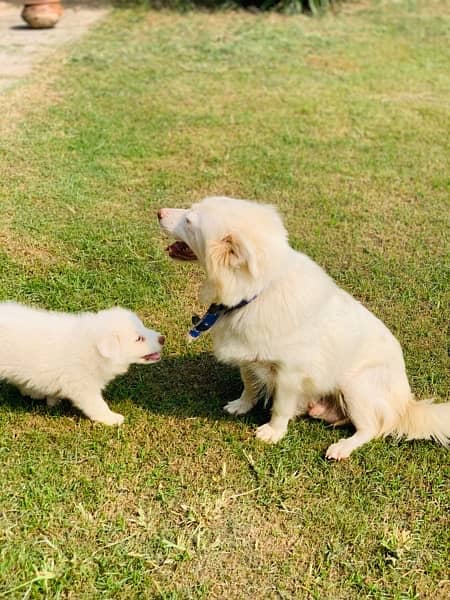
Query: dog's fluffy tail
[[425, 420]]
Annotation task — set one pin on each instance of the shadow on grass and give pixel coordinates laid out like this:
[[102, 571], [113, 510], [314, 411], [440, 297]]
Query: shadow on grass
[[186, 5], [196, 386], [180, 386]]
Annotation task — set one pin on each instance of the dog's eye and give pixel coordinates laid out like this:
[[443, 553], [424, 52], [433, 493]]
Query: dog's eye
[[141, 338], [188, 221]]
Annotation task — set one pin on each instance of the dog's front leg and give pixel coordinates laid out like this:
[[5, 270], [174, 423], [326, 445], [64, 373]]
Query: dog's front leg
[[249, 396], [94, 407], [284, 408]]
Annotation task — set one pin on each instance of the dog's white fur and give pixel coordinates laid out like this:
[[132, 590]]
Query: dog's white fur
[[57, 355], [303, 337]]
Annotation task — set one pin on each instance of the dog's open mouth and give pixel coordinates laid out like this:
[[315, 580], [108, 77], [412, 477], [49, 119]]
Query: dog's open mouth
[[180, 251], [153, 357]]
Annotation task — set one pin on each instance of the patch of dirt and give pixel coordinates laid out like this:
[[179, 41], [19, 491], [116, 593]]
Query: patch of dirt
[[331, 64], [26, 253], [22, 48]]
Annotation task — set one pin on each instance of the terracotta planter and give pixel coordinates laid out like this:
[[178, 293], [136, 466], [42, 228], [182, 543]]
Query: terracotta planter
[[42, 14]]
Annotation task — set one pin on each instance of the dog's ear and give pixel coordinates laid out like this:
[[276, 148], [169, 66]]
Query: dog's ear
[[231, 252], [108, 346]]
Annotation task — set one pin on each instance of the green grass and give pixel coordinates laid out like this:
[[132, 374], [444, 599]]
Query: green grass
[[343, 123]]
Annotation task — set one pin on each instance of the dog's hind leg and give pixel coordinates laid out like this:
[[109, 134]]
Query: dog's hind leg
[[249, 396], [368, 408], [94, 407], [345, 447]]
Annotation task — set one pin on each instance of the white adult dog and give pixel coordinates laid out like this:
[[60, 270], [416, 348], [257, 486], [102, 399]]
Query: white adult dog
[[293, 331], [56, 355]]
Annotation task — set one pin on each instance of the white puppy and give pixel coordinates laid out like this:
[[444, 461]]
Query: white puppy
[[292, 331], [56, 355]]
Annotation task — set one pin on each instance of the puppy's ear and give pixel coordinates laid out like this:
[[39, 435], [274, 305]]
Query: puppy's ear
[[232, 253], [108, 346]]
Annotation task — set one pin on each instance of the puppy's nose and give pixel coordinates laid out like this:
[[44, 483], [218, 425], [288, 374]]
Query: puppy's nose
[[162, 339], [161, 213]]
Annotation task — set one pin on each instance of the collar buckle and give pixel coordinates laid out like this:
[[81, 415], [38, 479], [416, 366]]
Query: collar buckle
[[212, 315]]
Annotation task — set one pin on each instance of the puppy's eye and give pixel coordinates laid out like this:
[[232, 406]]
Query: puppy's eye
[[141, 338], [188, 221]]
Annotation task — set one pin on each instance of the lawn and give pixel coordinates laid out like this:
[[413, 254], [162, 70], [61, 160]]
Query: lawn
[[343, 123]]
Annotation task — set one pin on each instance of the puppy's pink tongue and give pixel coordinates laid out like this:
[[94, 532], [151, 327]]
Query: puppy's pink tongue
[[154, 356]]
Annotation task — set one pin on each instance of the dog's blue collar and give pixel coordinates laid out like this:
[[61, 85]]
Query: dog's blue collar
[[212, 315]]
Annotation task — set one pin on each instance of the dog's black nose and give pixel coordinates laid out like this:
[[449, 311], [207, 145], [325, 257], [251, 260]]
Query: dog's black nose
[[161, 340], [160, 213]]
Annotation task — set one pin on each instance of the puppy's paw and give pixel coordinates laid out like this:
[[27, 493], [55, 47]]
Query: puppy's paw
[[237, 407], [269, 434], [339, 450], [111, 418]]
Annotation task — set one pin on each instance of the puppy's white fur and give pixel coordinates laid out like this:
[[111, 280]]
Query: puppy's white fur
[[56, 355], [303, 337]]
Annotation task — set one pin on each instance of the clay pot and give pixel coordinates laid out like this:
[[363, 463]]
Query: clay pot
[[42, 14]]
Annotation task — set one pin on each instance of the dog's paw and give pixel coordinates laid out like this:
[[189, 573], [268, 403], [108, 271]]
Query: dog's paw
[[237, 407], [338, 451], [111, 419], [267, 433]]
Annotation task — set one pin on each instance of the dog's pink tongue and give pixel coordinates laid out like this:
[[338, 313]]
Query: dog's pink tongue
[[153, 356]]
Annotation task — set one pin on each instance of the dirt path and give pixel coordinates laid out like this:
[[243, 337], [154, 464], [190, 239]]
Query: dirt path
[[22, 47]]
